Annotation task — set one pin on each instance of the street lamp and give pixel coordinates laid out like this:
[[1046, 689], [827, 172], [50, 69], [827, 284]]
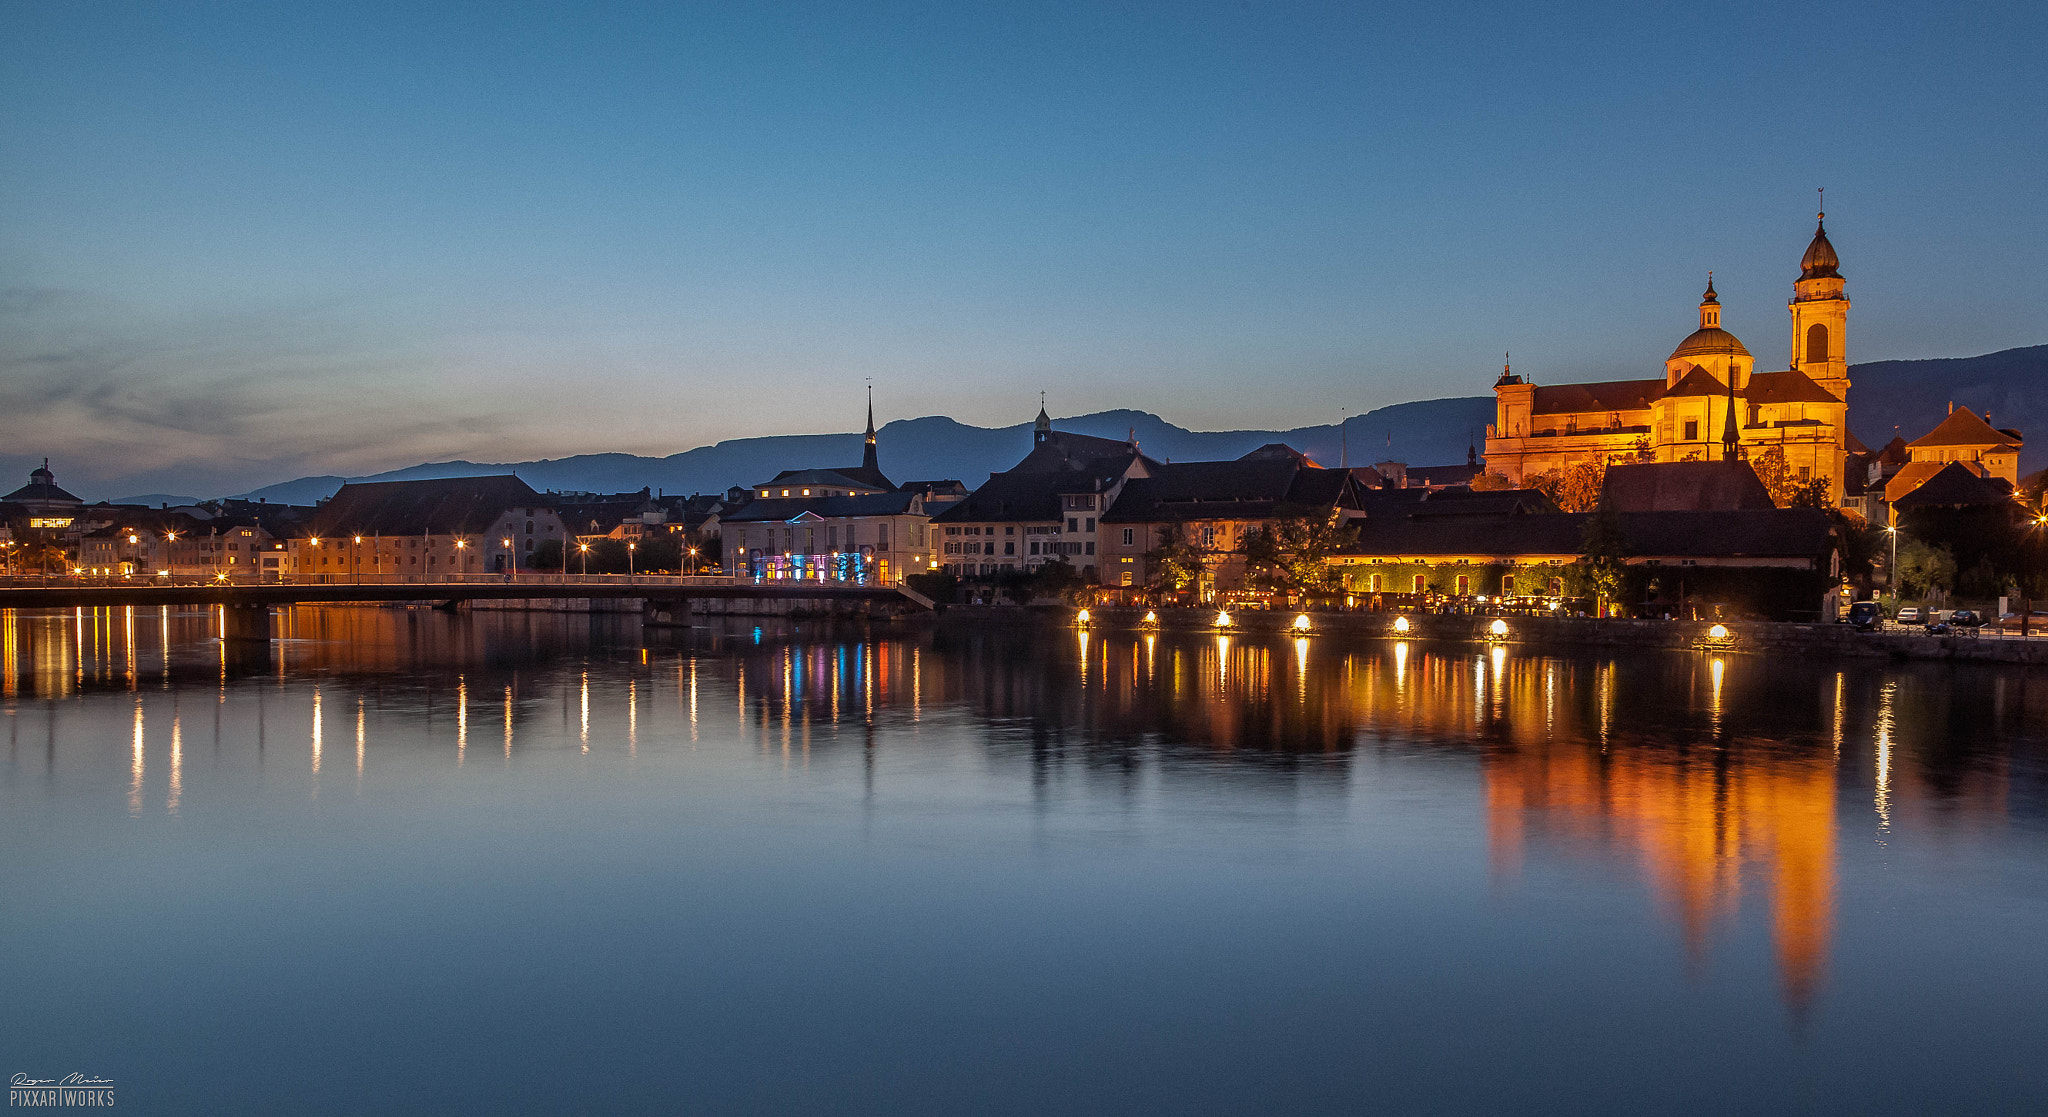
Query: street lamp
[[629, 558], [355, 559], [461, 556], [585, 548], [515, 557], [693, 560], [1892, 571]]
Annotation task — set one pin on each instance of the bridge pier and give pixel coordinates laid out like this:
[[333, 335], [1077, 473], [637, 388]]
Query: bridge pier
[[245, 622], [673, 613]]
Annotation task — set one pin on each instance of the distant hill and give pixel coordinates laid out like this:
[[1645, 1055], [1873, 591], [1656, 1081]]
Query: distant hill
[[157, 500], [1912, 396], [1909, 395], [1430, 432]]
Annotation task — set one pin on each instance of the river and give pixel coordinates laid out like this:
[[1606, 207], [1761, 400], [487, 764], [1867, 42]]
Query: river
[[415, 862]]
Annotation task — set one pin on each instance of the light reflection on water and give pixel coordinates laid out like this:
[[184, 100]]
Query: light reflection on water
[[1357, 865]]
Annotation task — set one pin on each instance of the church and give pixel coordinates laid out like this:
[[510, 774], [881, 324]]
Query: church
[[1710, 405]]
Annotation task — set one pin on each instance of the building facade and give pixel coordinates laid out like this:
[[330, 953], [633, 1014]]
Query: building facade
[[1710, 403]]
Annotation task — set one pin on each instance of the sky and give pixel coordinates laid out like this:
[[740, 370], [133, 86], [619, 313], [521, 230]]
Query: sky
[[241, 243]]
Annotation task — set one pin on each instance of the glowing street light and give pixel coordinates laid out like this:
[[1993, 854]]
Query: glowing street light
[[1301, 623], [1401, 624]]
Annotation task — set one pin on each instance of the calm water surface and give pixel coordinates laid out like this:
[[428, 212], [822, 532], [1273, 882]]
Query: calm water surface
[[537, 863]]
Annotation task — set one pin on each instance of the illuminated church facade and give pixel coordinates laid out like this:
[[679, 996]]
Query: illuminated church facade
[[1710, 405]]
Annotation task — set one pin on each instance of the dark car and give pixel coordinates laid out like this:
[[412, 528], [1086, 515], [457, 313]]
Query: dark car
[[1866, 616], [1966, 618]]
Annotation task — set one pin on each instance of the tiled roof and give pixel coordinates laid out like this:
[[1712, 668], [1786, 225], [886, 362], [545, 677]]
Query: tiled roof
[[1790, 386], [1696, 382], [1953, 483], [1609, 395], [1684, 487], [440, 506], [779, 510], [1239, 490], [1962, 427]]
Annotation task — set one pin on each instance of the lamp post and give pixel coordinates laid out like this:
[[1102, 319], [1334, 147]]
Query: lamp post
[[355, 559], [629, 558], [693, 560], [1892, 570], [585, 549], [461, 556], [514, 559]]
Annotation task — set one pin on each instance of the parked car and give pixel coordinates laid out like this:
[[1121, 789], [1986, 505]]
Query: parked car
[[1908, 614], [2011, 622], [1966, 618], [1866, 616]]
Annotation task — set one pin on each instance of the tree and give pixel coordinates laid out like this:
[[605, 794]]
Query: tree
[[547, 556], [1638, 451], [1925, 570], [1575, 488], [1605, 549], [1491, 483], [1059, 579], [1176, 564], [1292, 554], [1787, 490]]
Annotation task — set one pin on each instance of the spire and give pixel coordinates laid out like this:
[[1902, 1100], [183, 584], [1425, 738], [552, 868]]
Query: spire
[[1471, 449], [1507, 371], [1710, 307], [867, 459], [1820, 261], [1042, 428], [1731, 435]]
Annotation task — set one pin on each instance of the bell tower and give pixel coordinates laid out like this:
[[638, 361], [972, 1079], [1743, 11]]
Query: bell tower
[[1820, 316]]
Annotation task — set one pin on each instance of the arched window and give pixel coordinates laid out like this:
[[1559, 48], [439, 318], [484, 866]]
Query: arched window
[[1816, 343]]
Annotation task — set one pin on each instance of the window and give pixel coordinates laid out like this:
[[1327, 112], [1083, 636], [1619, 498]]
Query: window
[[952, 531], [1127, 537], [1816, 343], [1073, 523], [1692, 430], [529, 527], [1034, 546], [1126, 578], [1009, 548], [1009, 529], [882, 536], [1507, 585], [1464, 585], [832, 537], [1421, 584], [1091, 548], [1208, 536], [1379, 583], [1091, 523]]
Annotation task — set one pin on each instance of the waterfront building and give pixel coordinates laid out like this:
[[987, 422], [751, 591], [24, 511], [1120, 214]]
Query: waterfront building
[[1213, 507], [1683, 487], [1046, 508], [1709, 404], [1967, 442], [443, 526]]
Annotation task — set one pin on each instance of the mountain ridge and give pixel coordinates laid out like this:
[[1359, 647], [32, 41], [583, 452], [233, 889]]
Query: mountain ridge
[[1906, 396]]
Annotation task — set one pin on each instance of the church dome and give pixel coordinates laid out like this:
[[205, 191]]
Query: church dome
[[1709, 340], [1820, 261]]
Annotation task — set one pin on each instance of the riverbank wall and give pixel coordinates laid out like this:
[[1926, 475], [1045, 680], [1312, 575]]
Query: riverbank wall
[[1758, 637]]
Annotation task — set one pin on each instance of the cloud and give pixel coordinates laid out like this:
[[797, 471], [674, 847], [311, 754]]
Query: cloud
[[129, 398]]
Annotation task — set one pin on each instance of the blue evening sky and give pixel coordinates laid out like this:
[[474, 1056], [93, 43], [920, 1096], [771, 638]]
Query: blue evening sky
[[240, 242]]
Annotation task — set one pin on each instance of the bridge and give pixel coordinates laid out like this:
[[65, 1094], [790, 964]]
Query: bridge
[[245, 608]]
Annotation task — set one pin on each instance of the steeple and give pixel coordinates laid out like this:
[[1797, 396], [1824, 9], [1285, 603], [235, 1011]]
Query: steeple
[[1710, 307], [867, 460], [1042, 429], [1820, 315], [1731, 435]]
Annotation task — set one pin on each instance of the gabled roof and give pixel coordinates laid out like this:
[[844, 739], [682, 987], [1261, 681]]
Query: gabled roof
[[1789, 386], [1962, 427], [1684, 487], [1894, 452], [1280, 451], [1854, 444], [41, 489], [1440, 475], [1061, 450], [779, 510], [1239, 490], [439, 506], [1952, 484], [1696, 382], [854, 478], [1609, 395]]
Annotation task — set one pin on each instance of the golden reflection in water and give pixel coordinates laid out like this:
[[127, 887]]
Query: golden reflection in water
[[10, 659], [1083, 635], [1882, 800], [1222, 664], [1301, 669], [632, 717], [1716, 670], [461, 719], [583, 731], [1606, 688], [316, 739], [1841, 706], [508, 723], [128, 645], [361, 740], [693, 700], [176, 794], [916, 684], [135, 768], [1400, 666], [1151, 648], [163, 641], [1698, 824]]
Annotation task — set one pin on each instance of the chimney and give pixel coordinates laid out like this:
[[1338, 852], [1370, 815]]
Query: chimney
[[1951, 407]]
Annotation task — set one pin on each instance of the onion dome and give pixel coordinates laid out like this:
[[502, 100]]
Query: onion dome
[[1820, 261], [1709, 340]]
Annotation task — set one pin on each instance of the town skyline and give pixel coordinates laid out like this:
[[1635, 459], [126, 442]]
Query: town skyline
[[337, 242]]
